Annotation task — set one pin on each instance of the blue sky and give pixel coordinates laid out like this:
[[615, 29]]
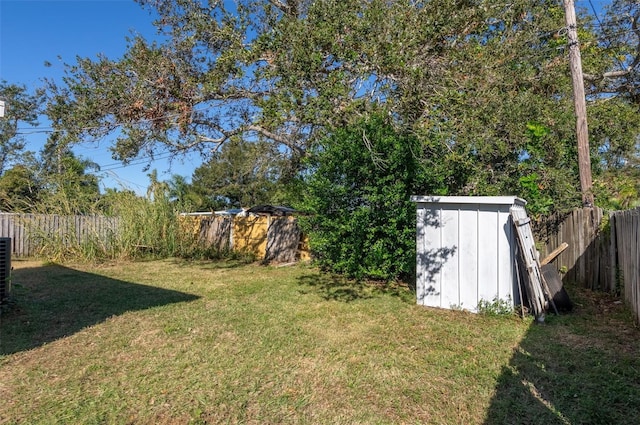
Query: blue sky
[[35, 31]]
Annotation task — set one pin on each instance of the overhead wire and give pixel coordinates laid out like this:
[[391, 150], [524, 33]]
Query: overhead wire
[[118, 165], [50, 130]]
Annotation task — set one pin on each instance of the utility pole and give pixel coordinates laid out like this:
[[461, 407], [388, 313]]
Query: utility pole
[[579, 102]]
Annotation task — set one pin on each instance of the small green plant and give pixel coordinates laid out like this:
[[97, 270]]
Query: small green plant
[[497, 307]]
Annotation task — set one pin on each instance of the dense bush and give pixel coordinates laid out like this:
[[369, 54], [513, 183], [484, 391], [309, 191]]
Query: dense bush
[[357, 191]]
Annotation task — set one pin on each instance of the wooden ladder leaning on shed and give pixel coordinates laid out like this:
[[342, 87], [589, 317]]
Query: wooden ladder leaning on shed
[[538, 292]]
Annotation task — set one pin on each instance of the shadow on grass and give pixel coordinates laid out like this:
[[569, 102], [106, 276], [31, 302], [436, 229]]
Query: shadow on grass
[[51, 302], [338, 288], [580, 368], [232, 262]]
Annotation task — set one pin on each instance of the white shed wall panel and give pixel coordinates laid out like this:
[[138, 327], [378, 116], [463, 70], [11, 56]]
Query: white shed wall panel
[[465, 251]]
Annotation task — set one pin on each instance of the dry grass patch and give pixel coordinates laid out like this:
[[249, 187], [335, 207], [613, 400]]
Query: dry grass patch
[[177, 342]]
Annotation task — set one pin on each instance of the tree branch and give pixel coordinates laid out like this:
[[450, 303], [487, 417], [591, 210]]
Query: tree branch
[[275, 137]]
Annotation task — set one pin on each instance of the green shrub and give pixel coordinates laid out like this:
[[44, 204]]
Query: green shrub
[[357, 191]]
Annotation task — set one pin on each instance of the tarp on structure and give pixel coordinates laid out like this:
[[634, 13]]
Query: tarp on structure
[[275, 210]]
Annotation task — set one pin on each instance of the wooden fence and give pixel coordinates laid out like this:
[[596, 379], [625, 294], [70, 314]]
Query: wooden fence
[[31, 232], [272, 239], [625, 230], [603, 252], [269, 238]]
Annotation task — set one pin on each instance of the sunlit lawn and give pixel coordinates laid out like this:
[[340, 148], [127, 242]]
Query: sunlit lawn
[[177, 342]]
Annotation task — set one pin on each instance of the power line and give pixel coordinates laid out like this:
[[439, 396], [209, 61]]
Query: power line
[[139, 161], [50, 130], [608, 40]]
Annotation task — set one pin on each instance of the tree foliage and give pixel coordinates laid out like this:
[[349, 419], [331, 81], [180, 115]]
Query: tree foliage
[[479, 89], [473, 75], [618, 47], [361, 221], [286, 71], [19, 189], [241, 174], [69, 189], [21, 107]]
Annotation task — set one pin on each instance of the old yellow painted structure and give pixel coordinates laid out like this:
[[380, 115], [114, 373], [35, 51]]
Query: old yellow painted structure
[[249, 235], [190, 224]]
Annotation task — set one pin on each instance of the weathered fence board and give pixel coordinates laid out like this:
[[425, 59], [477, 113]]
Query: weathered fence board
[[603, 253], [586, 260], [283, 240], [216, 232], [627, 225], [30, 232], [272, 239]]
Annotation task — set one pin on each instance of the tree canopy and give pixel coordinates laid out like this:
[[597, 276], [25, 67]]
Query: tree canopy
[[240, 174], [283, 71], [21, 107], [484, 85], [474, 76]]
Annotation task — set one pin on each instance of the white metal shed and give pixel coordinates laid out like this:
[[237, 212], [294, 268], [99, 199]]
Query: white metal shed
[[466, 251]]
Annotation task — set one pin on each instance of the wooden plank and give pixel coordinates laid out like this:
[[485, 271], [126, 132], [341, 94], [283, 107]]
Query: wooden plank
[[549, 258], [598, 257], [283, 239], [529, 256], [580, 269], [635, 261]]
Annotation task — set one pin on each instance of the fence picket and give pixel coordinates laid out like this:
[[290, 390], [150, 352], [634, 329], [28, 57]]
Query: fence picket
[[597, 259], [29, 231]]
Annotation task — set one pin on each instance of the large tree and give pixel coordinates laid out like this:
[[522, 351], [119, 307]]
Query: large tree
[[240, 174], [611, 48], [21, 107], [473, 76], [361, 220], [283, 71], [618, 43]]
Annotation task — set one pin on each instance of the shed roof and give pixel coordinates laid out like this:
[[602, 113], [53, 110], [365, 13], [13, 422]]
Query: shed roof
[[485, 200]]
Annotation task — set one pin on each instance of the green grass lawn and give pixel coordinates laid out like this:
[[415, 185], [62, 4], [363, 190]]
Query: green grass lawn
[[166, 342]]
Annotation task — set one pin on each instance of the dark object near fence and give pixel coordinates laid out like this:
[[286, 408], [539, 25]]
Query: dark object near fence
[[277, 210], [5, 268], [557, 291]]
